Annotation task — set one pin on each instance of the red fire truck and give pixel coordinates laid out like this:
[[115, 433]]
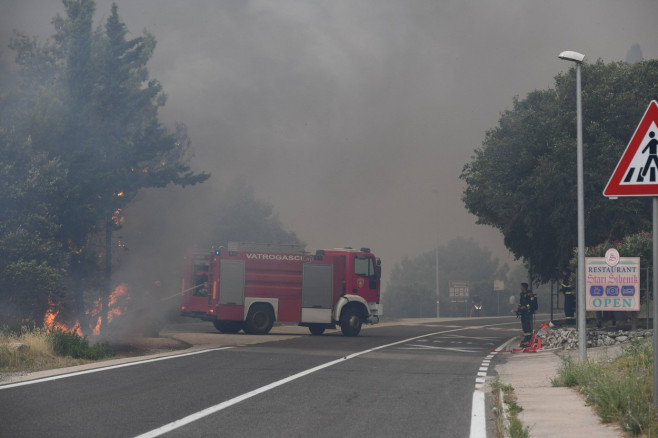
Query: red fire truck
[[250, 286]]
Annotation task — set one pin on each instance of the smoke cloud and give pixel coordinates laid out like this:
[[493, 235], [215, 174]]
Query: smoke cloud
[[353, 118]]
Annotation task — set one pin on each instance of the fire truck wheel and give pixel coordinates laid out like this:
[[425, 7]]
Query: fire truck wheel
[[228, 327], [259, 320], [316, 329], [350, 322]]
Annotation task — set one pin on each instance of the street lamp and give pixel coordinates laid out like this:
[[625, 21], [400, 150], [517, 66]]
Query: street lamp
[[436, 254], [582, 321]]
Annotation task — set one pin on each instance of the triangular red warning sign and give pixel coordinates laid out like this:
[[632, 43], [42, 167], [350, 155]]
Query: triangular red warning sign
[[636, 173]]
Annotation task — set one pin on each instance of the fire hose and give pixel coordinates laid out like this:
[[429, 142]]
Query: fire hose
[[182, 292]]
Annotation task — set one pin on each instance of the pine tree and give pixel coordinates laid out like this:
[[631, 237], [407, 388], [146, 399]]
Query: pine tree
[[103, 111]]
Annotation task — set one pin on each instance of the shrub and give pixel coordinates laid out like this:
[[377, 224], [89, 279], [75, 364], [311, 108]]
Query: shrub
[[72, 344], [620, 389]]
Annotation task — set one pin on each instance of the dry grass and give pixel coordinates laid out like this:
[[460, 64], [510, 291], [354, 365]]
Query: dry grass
[[30, 350]]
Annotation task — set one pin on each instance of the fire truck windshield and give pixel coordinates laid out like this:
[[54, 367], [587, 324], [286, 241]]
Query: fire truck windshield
[[364, 266]]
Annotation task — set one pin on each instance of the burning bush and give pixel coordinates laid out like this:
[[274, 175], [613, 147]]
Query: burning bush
[[91, 322]]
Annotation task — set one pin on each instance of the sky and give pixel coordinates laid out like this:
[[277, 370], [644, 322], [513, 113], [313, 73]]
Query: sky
[[354, 118]]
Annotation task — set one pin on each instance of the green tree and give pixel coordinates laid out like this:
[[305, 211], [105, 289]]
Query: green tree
[[522, 180], [90, 103], [411, 290], [32, 261], [634, 54], [243, 218], [137, 151]]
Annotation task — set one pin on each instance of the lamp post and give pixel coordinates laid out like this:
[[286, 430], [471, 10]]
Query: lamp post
[[578, 58], [436, 254]]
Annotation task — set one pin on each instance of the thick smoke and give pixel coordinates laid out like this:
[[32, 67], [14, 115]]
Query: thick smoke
[[354, 119]]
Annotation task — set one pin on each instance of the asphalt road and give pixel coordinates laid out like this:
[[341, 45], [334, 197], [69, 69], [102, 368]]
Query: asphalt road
[[413, 379]]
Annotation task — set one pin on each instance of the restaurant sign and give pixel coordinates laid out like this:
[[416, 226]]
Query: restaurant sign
[[612, 282]]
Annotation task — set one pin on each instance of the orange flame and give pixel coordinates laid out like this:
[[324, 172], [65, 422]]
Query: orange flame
[[117, 304], [114, 303], [49, 320]]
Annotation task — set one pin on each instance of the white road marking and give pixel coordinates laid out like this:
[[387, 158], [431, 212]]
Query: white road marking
[[429, 347], [111, 367], [228, 403], [478, 423], [481, 338]]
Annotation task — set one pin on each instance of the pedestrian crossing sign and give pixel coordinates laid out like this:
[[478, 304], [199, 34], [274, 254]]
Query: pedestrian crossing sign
[[636, 173]]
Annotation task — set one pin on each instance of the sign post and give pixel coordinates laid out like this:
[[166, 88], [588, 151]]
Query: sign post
[[459, 293], [636, 174], [655, 308], [498, 286]]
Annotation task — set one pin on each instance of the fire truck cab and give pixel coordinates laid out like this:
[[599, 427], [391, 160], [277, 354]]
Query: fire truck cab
[[250, 286]]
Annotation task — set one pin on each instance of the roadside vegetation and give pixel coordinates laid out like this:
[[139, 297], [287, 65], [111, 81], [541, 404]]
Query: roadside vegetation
[[28, 349], [620, 389], [507, 421]]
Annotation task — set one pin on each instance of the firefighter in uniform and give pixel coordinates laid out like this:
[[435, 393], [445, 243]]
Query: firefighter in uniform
[[525, 311], [569, 297]]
